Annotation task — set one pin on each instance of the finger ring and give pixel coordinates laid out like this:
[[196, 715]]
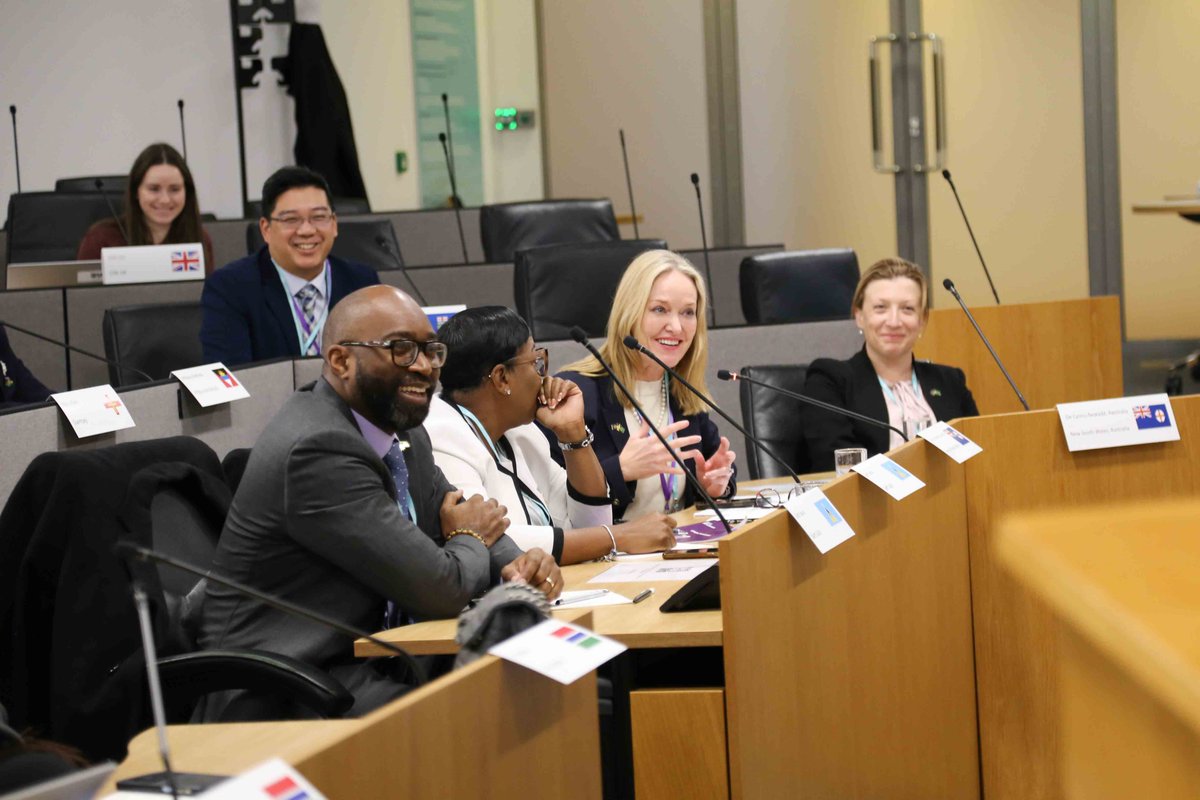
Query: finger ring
[[550, 581]]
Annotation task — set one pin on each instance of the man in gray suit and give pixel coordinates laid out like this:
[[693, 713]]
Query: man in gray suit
[[342, 510]]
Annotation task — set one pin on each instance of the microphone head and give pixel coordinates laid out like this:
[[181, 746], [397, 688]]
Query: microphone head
[[949, 284], [621, 132], [632, 343], [946, 174], [180, 102], [726, 375], [579, 335], [99, 184], [125, 549], [442, 138], [445, 97], [695, 179], [12, 110]]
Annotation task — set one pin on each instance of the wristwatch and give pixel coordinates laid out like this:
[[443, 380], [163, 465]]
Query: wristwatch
[[586, 441]]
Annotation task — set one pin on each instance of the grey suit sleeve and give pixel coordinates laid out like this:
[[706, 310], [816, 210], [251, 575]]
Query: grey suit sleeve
[[502, 552], [337, 506]]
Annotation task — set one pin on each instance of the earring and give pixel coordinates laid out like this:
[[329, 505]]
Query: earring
[[508, 391], [860, 331]]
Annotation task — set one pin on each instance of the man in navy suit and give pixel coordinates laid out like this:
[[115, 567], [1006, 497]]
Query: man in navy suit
[[274, 303]]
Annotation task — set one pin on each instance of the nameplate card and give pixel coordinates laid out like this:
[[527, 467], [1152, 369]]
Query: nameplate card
[[1118, 422], [889, 476], [211, 384], [94, 410], [439, 314], [950, 441], [152, 263], [821, 522], [559, 650], [270, 779]]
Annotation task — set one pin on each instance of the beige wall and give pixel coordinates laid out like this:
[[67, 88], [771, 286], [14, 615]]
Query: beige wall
[[1014, 102], [1159, 107], [637, 65], [806, 127]]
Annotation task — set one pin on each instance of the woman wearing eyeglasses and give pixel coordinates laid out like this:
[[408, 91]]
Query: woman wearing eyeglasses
[[494, 386], [160, 208], [660, 301]]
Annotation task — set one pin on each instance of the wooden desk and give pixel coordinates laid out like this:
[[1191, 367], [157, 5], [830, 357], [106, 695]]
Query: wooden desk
[[1188, 208], [1123, 583], [638, 626], [476, 732]]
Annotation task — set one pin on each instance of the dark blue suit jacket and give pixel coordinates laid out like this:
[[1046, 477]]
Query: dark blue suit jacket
[[605, 416], [246, 312], [18, 386]]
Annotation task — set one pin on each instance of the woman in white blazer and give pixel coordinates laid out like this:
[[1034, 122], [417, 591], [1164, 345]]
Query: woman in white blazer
[[495, 384]]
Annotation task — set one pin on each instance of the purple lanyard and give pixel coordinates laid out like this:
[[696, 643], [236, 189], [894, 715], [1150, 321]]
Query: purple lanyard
[[667, 482]]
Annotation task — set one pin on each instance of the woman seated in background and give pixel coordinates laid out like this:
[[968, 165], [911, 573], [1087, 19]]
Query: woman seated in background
[[883, 380], [661, 302], [160, 208], [494, 385]]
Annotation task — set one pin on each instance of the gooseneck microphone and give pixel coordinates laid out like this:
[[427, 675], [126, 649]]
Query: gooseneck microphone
[[386, 246], [169, 784], [75, 349], [580, 336], [182, 130], [134, 552], [949, 284], [726, 375], [99, 184], [12, 110], [712, 306], [961, 210], [633, 344], [454, 198], [450, 149], [629, 184]]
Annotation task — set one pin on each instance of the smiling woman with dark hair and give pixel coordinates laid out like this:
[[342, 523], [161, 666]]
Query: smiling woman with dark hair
[[494, 385], [160, 208]]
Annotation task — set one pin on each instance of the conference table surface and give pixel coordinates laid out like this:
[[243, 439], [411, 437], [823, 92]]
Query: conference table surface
[[638, 625]]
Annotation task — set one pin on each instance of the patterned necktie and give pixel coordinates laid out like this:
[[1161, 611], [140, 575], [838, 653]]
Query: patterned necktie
[[394, 460], [394, 617], [308, 303]]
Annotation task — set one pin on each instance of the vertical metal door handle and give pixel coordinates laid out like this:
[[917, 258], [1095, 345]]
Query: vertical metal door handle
[[939, 100], [877, 103]]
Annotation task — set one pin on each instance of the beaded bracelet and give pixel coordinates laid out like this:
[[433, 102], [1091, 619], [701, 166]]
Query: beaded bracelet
[[467, 532]]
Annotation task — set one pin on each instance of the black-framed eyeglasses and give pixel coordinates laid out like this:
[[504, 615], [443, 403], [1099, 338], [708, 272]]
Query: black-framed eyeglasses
[[404, 351], [320, 220], [540, 361]]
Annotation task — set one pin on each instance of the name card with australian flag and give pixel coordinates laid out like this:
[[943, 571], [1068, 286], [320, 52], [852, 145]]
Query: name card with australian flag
[[152, 263], [1118, 422]]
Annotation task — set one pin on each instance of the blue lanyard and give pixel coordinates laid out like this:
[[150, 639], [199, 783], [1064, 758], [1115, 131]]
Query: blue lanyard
[[306, 335], [887, 390], [526, 496]]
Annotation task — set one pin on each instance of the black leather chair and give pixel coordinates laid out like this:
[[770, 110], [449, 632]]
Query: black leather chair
[[114, 185], [774, 419], [561, 286], [506, 228], [72, 664], [369, 240], [48, 226], [155, 338], [798, 286]]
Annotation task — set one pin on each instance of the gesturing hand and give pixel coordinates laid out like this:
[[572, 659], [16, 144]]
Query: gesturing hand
[[643, 455], [560, 408], [714, 473], [538, 569]]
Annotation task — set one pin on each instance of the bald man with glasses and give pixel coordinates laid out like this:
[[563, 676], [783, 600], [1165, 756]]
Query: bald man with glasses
[[274, 304], [342, 510]]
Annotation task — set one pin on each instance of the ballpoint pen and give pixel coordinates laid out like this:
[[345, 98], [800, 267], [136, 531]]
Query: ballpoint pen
[[642, 595], [589, 596]]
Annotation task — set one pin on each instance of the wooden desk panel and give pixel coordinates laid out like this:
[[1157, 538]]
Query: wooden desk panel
[[851, 674], [1026, 466], [1056, 352], [1123, 586]]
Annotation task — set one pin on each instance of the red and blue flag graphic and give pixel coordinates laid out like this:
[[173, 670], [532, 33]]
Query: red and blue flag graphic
[[185, 261], [1153, 416], [285, 789]]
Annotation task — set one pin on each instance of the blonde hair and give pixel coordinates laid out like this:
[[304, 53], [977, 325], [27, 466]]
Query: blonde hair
[[625, 319], [887, 269]]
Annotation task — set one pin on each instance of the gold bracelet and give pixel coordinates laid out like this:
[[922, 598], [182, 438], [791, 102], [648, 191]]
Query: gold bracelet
[[467, 532]]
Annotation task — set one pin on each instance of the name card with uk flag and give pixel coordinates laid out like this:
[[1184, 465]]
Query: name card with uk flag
[[94, 410], [152, 263], [1118, 422], [560, 650]]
